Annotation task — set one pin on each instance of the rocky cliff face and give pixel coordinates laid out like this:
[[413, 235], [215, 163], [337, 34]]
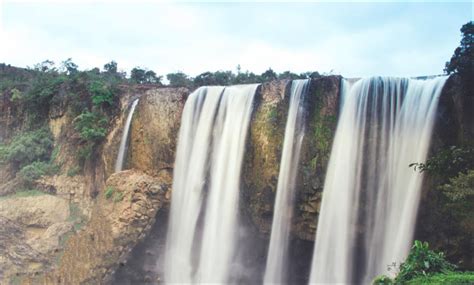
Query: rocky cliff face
[[454, 126], [72, 237], [263, 154]]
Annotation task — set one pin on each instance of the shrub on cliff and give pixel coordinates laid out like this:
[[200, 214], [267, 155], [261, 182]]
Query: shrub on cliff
[[28, 147], [102, 93], [92, 129], [35, 170], [91, 126]]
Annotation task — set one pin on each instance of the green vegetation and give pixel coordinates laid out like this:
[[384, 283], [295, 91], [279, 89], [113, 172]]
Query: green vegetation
[[448, 162], [102, 93], [109, 192], [73, 171], [35, 170], [424, 266], [462, 61], [31, 155], [230, 78], [91, 126], [91, 97], [27, 148], [24, 193], [422, 261], [76, 217], [273, 114], [141, 76], [451, 278], [450, 213], [118, 197], [179, 79], [460, 190]]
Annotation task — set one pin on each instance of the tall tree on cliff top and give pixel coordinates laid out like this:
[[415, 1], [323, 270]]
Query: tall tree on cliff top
[[141, 76], [462, 61]]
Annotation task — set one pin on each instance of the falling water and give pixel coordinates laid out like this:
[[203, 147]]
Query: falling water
[[277, 254], [371, 196], [123, 143], [206, 181], [189, 179]]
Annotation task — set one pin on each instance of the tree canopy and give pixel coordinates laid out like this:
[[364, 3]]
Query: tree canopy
[[462, 61]]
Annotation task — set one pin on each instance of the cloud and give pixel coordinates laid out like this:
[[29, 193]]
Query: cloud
[[351, 39]]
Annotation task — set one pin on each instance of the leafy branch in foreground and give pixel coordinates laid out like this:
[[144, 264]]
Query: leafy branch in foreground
[[448, 162], [423, 263]]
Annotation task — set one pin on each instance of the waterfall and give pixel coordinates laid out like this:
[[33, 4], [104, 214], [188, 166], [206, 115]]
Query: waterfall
[[123, 142], [275, 271], [371, 196], [206, 182]]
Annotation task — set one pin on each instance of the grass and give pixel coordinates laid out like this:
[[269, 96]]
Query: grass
[[451, 278], [24, 193], [109, 192], [116, 196]]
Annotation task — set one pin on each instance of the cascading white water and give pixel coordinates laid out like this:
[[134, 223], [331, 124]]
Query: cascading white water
[[188, 182], [371, 196], [123, 142], [275, 271], [220, 223], [206, 181]]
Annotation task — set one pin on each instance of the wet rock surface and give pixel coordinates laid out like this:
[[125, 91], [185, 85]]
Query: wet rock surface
[[263, 153]]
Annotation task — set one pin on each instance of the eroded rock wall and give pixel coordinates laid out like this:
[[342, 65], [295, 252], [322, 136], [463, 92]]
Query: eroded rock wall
[[263, 153], [436, 224]]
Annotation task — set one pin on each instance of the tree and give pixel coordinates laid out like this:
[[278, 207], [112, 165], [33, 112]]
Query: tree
[[462, 61], [204, 79], [214, 78], [246, 78], [150, 77], [138, 75], [69, 67], [141, 76], [268, 75], [111, 67], [310, 75], [179, 79], [224, 77], [45, 66], [102, 94], [289, 75]]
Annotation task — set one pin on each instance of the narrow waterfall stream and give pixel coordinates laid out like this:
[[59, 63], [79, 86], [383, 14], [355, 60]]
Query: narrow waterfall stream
[[283, 210], [123, 142], [371, 196], [206, 184]]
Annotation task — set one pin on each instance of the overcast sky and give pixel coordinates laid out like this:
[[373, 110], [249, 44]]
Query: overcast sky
[[352, 39]]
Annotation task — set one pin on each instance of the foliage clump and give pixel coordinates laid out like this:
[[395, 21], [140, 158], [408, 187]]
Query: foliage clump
[[422, 261], [109, 192], [462, 61], [35, 170], [423, 264], [448, 162], [27, 148]]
